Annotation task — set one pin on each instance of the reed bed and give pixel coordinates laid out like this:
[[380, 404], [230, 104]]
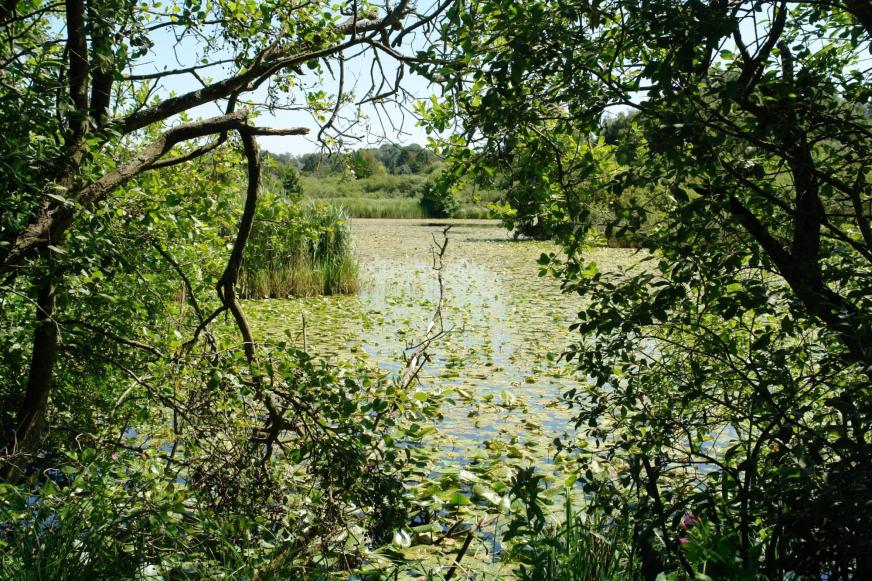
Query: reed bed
[[399, 208], [586, 546], [379, 207], [299, 251]]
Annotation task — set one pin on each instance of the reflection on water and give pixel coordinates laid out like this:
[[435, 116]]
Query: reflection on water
[[508, 326]]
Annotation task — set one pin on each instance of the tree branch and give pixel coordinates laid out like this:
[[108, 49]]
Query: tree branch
[[103, 61], [77, 53], [186, 70], [269, 62], [51, 224], [862, 11], [226, 286]]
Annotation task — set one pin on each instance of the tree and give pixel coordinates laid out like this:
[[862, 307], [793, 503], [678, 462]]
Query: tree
[[291, 184], [365, 164], [438, 199], [94, 124], [751, 318], [123, 227]]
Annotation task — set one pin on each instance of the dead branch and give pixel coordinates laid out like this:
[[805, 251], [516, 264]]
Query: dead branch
[[435, 328]]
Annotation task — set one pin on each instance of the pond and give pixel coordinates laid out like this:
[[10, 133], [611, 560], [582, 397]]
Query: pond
[[508, 327]]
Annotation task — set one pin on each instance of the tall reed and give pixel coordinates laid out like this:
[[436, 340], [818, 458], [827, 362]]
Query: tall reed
[[298, 251], [379, 207], [401, 208], [587, 545]]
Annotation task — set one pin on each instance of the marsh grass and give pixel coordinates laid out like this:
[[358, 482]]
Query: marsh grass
[[586, 546], [379, 207], [299, 251], [400, 208]]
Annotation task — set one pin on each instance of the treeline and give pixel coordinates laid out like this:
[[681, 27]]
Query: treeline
[[390, 181], [363, 163]]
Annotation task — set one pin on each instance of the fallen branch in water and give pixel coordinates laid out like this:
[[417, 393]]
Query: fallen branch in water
[[419, 356]]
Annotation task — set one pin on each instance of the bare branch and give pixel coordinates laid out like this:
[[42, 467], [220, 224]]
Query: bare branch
[[419, 356], [169, 73]]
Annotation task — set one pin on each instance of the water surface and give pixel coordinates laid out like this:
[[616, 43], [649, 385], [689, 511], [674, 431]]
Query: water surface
[[508, 325]]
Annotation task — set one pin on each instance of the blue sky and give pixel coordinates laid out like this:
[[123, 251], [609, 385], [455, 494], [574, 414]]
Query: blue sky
[[391, 122]]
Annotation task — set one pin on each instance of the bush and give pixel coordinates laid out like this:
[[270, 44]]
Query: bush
[[438, 200], [131, 507], [392, 186], [291, 184]]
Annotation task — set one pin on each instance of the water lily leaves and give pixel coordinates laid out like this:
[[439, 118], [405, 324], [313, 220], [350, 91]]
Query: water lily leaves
[[468, 477], [497, 375], [458, 499], [488, 494]]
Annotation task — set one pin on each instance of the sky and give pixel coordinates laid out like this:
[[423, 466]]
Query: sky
[[389, 123]]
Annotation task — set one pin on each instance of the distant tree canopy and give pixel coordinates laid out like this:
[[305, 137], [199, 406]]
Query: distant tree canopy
[[366, 162]]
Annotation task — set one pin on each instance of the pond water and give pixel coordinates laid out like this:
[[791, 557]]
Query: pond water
[[508, 327]]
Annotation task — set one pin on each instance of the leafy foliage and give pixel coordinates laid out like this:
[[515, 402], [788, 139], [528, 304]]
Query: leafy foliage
[[156, 500], [291, 185], [438, 201], [730, 369], [584, 544]]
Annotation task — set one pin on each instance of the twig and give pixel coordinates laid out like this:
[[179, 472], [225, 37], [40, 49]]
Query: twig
[[460, 554], [415, 362]]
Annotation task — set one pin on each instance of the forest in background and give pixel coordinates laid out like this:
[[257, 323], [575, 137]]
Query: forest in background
[[390, 181]]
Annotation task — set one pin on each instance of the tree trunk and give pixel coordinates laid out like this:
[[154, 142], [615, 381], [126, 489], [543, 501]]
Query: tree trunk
[[30, 421]]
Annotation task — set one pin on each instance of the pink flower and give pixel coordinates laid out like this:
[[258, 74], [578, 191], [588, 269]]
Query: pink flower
[[688, 520], [115, 455], [682, 540]]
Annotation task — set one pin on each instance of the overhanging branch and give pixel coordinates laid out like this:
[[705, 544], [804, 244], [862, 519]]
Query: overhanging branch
[[49, 225]]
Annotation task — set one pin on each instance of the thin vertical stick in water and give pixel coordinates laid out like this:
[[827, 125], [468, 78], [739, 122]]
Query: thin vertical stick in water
[[419, 356], [460, 555]]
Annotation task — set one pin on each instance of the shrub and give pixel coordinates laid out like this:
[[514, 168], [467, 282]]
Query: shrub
[[291, 184], [132, 507], [438, 201], [392, 186]]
